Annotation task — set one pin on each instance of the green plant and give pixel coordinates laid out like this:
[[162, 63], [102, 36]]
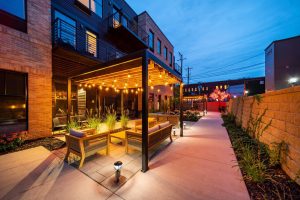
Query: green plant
[[275, 152], [72, 125], [124, 121], [93, 122], [10, 144], [111, 118]]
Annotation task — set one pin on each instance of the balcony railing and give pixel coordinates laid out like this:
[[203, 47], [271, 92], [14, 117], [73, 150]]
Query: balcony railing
[[178, 68], [84, 42], [117, 19]]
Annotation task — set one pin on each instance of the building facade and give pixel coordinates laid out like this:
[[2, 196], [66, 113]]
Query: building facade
[[282, 64], [25, 67]]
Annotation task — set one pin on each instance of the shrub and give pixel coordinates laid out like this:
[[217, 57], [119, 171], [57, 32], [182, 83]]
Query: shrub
[[10, 143], [124, 121], [93, 122], [72, 125], [111, 118]]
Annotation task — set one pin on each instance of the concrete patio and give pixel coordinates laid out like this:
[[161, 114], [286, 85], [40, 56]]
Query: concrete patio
[[197, 166]]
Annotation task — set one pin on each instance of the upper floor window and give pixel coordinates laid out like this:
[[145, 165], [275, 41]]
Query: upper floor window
[[116, 18], [16, 8], [151, 40], [94, 5], [166, 53], [170, 58], [66, 28], [91, 43], [13, 14], [158, 46]]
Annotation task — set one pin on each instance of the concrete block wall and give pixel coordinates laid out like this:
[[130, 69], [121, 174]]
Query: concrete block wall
[[283, 108], [31, 53]]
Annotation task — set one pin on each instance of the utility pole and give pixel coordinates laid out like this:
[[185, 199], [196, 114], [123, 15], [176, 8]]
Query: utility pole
[[181, 59], [188, 74]]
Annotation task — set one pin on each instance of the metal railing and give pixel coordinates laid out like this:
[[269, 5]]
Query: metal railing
[[82, 41], [117, 19]]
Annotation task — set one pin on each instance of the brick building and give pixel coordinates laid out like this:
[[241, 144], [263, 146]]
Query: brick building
[[25, 67], [56, 40]]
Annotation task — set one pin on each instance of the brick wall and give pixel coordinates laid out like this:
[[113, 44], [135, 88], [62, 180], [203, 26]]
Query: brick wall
[[283, 108], [31, 53], [148, 23]]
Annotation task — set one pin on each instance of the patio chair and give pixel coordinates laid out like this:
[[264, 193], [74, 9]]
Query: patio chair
[[57, 124], [83, 145]]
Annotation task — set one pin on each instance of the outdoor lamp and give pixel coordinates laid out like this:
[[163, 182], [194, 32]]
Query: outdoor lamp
[[293, 80], [184, 125], [118, 166]]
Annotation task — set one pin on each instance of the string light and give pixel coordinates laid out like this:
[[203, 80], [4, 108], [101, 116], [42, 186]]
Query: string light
[[129, 75], [80, 85], [136, 84], [100, 87], [115, 80], [158, 90], [132, 91], [152, 87], [89, 86], [106, 89], [93, 84]]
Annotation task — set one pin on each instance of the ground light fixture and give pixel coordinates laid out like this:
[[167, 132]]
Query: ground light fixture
[[184, 125], [118, 166]]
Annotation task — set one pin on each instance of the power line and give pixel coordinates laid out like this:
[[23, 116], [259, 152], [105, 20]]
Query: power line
[[254, 67], [224, 67]]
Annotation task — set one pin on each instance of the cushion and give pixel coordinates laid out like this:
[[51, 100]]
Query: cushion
[[76, 133], [165, 124], [153, 129]]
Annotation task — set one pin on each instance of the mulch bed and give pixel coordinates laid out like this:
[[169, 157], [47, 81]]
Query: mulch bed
[[277, 185], [50, 143]]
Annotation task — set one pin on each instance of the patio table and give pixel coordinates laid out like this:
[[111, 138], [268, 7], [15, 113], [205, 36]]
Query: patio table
[[119, 135]]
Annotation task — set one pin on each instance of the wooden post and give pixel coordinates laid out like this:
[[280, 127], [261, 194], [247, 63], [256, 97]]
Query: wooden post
[[69, 99], [181, 109], [145, 166]]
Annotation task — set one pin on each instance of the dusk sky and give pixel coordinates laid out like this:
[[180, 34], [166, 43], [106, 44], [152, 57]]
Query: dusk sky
[[216, 35]]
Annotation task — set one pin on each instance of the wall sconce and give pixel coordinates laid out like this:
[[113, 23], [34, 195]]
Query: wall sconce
[[118, 166]]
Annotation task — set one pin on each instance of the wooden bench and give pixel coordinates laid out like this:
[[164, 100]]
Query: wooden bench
[[138, 123], [156, 135], [89, 144]]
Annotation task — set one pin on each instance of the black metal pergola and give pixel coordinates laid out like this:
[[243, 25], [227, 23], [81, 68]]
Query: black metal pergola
[[140, 65]]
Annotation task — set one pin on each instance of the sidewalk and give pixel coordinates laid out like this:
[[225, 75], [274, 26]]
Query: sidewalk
[[197, 166]]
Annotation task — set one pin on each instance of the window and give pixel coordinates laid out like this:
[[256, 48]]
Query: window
[[13, 14], [116, 18], [124, 21], [158, 46], [151, 40], [16, 8], [97, 7], [94, 5], [91, 43], [166, 53], [170, 58], [13, 98], [66, 28]]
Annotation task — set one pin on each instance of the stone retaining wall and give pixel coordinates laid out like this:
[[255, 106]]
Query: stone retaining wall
[[283, 108]]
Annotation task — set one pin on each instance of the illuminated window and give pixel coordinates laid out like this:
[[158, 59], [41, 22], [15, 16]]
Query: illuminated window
[[221, 86], [192, 89], [217, 87], [196, 89], [13, 98], [93, 5], [91, 43], [206, 88], [17, 7], [116, 18]]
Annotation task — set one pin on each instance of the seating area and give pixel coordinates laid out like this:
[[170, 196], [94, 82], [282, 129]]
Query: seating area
[[156, 135], [87, 142]]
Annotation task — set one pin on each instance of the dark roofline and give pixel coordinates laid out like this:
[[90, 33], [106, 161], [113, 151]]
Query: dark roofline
[[130, 7], [145, 12], [275, 41]]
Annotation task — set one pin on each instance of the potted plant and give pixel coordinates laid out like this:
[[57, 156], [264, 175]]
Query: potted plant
[[111, 119]]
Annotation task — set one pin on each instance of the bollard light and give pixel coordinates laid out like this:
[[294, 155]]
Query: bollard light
[[184, 125], [118, 166]]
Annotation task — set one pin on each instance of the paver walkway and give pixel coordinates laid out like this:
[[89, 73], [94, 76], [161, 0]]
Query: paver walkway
[[197, 166]]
